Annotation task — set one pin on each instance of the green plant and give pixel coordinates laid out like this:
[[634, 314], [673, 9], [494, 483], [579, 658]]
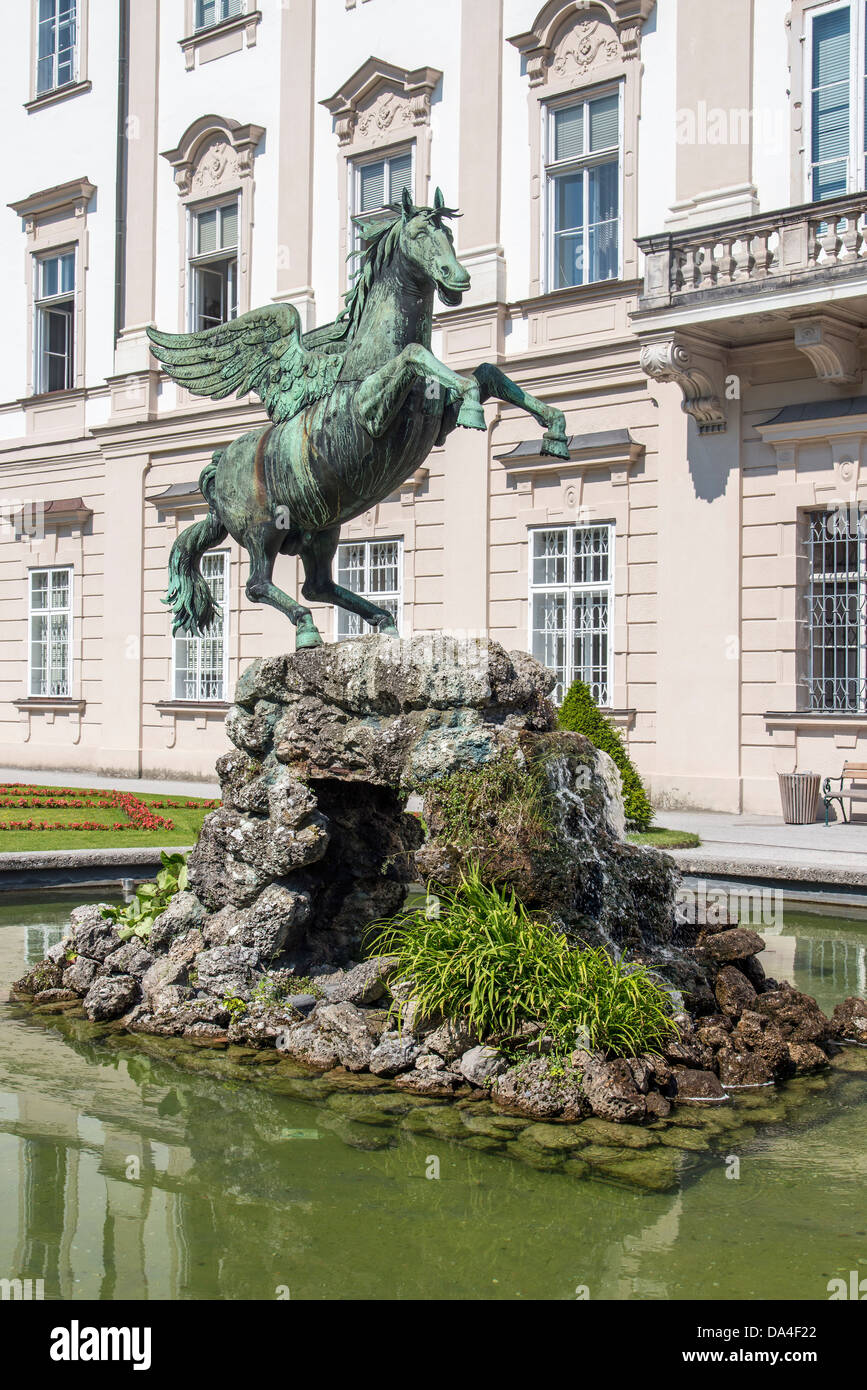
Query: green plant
[[479, 808], [235, 1007], [579, 714], [268, 992], [485, 960], [666, 839], [137, 917]]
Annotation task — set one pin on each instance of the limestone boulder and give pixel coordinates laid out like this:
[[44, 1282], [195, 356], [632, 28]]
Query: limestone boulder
[[110, 996]]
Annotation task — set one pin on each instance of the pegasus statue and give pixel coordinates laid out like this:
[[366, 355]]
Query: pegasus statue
[[355, 407]]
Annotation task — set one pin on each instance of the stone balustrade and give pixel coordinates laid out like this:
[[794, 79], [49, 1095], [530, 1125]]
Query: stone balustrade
[[755, 254]]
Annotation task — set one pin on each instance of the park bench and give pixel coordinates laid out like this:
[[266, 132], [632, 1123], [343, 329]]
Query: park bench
[[855, 774]]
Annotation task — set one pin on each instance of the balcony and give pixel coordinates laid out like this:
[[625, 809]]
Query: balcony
[[798, 276]]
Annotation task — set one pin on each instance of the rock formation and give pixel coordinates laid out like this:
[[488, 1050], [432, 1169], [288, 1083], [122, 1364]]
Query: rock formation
[[313, 841]]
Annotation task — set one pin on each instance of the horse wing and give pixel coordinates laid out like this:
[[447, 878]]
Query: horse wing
[[261, 351]]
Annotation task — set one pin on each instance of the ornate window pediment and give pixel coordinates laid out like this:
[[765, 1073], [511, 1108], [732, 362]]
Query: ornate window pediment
[[572, 39], [381, 103], [214, 154]]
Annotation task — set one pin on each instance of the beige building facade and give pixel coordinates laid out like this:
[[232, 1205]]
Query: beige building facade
[[664, 219]]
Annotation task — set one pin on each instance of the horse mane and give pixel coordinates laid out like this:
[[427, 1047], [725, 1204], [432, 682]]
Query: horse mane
[[372, 261], [382, 242]]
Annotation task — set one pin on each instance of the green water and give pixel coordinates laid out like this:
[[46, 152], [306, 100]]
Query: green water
[[127, 1175]]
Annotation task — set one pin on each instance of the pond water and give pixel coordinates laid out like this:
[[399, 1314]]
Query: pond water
[[127, 1174]]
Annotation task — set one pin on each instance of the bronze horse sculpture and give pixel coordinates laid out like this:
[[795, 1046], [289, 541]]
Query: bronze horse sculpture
[[355, 407]]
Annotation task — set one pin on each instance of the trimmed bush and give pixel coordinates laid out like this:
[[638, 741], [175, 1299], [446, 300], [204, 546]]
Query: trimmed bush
[[481, 958], [580, 714]]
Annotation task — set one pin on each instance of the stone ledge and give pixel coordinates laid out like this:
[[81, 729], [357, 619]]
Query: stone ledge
[[75, 858], [772, 871]]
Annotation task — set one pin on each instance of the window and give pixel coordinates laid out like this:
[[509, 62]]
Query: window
[[377, 183], [55, 322], [211, 12], [371, 568], [571, 605], [582, 170], [56, 41], [837, 82], [837, 611], [213, 266], [201, 671], [50, 632]]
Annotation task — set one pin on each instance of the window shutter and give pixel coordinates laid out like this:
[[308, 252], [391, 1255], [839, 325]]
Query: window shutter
[[831, 100], [371, 186], [400, 171], [569, 132], [604, 123], [229, 228], [206, 224]]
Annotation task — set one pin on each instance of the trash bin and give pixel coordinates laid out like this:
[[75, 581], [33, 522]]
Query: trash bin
[[799, 793]]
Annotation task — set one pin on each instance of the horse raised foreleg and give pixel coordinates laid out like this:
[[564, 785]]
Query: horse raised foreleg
[[380, 396], [317, 557], [264, 546], [493, 382]]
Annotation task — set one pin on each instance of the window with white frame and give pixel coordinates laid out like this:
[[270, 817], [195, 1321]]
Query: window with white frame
[[201, 663], [211, 12], [55, 321], [56, 44], [50, 653], [376, 184], [836, 82], [213, 265], [572, 605], [374, 569], [837, 611], [582, 175]]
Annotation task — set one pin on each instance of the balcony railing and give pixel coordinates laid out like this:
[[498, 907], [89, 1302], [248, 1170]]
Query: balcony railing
[[761, 254]]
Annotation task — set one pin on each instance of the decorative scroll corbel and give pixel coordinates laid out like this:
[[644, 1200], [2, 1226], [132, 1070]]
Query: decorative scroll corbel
[[832, 347], [669, 359]]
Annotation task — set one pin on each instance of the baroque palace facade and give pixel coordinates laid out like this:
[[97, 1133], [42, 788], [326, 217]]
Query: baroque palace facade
[[663, 214]]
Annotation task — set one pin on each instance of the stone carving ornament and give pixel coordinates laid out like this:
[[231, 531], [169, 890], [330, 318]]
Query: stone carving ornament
[[589, 43], [215, 162]]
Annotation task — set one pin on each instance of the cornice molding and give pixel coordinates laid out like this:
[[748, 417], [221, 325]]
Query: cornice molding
[[382, 96], [542, 45], [223, 136], [73, 196], [600, 450], [245, 23]]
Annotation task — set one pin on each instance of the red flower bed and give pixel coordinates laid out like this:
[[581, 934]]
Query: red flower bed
[[139, 816]]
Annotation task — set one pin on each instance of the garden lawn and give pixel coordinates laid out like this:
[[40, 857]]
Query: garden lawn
[[666, 839], [133, 820]]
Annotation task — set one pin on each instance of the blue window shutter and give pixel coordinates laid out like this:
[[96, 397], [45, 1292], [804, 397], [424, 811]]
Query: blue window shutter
[[831, 104]]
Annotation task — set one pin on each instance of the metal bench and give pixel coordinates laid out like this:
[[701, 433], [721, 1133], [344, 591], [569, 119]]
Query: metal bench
[[856, 775]]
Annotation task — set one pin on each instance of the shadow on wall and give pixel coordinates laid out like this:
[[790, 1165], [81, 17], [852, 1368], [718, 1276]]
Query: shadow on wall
[[711, 458]]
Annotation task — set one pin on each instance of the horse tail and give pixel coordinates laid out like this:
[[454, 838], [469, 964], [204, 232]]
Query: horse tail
[[189, 596]]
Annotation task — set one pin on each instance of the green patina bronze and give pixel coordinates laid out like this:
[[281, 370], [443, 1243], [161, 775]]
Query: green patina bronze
[[355, 406]]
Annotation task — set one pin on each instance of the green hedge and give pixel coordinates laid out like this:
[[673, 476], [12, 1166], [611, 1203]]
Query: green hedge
[[580, 714]]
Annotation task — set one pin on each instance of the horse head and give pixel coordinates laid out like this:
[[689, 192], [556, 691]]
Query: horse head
[[427, 243]]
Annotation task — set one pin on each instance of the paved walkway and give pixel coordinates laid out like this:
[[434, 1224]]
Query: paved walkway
[[836, 853], [125, 784]]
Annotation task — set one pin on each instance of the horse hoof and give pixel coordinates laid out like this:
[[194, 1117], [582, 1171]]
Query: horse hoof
[[471, 415], [389, 631], [307, 635], [558, 448]]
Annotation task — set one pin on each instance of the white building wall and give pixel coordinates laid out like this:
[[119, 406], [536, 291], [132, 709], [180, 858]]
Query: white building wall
[[67, 139]]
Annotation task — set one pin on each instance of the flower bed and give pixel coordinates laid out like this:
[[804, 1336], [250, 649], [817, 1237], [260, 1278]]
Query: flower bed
[[139, 815]]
